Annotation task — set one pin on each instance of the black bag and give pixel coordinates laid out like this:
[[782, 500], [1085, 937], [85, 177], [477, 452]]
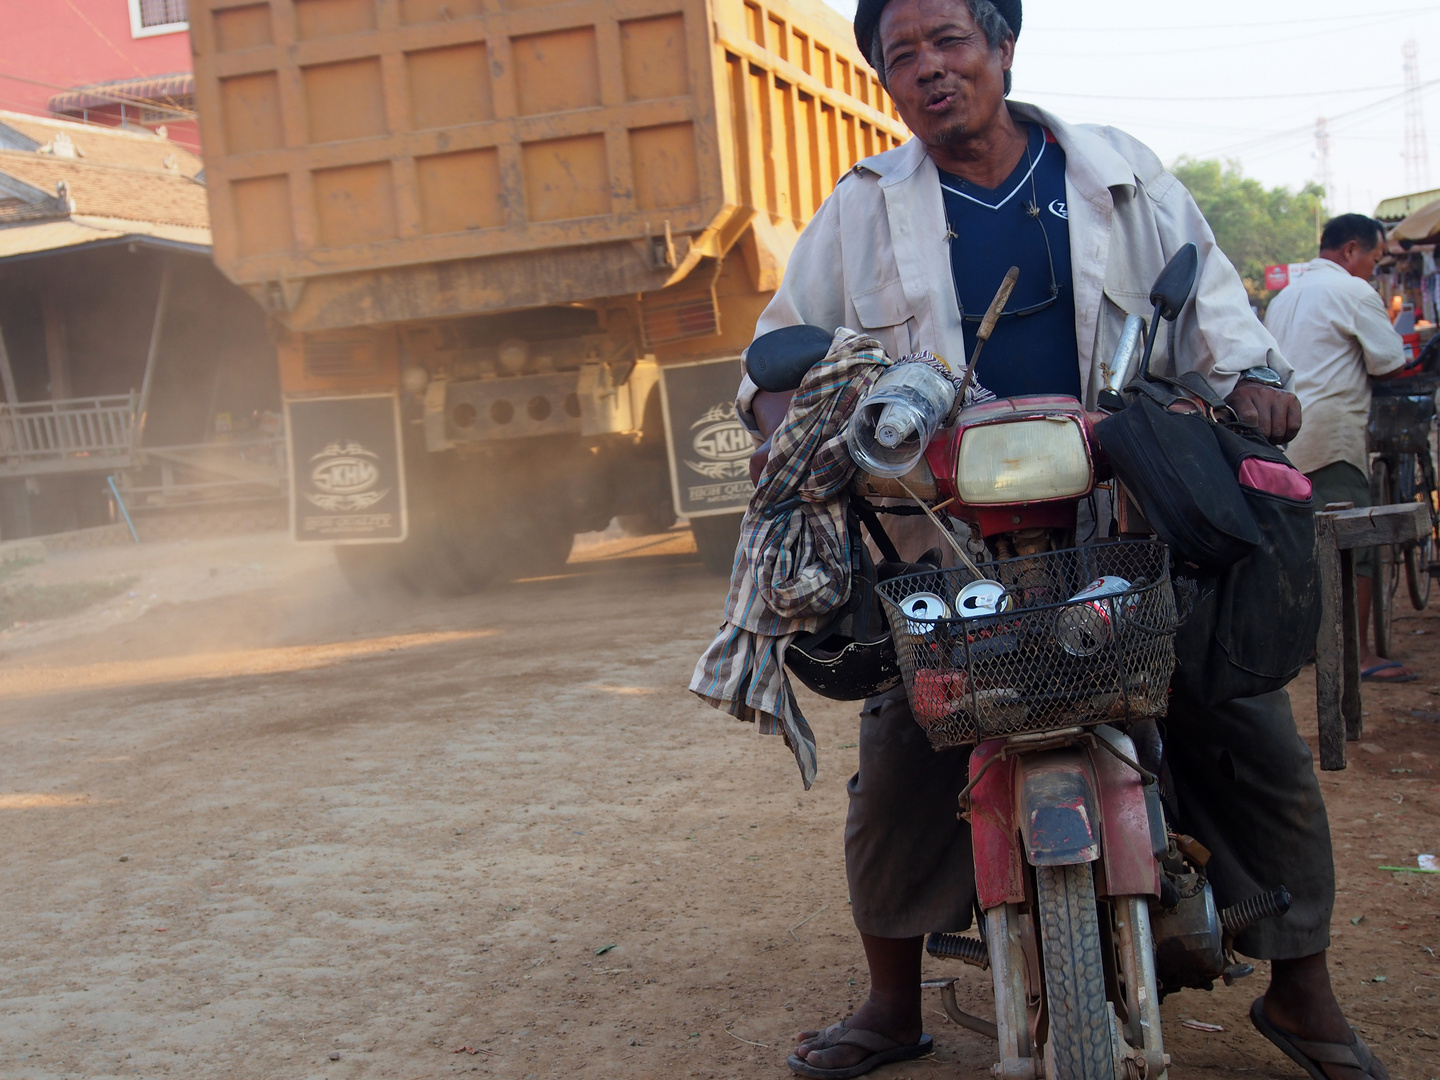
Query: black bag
[[1173, 466], [1232, 507], [852, 656]]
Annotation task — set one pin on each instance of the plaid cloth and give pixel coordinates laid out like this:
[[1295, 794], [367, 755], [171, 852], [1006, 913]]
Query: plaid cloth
[[792, 566]]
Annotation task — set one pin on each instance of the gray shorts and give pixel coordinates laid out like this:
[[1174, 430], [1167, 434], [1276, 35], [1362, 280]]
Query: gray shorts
[[1240, 774], [1342, 482]]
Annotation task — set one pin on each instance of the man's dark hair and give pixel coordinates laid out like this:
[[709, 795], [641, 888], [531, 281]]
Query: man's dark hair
[[1339, 231], [987, 17]]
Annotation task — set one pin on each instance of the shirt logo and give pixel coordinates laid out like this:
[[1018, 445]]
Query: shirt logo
[[1057, 207]]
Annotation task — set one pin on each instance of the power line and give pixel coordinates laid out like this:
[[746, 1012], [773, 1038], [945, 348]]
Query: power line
[[1239, 42], [1361, 17], [1308, 129], [1234, 97]]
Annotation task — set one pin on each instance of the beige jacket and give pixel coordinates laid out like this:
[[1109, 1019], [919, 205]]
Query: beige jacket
[[875, 257]]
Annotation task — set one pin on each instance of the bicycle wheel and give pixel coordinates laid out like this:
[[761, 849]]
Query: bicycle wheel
[[1419, 555], [1080, 1027], [1386, 578]]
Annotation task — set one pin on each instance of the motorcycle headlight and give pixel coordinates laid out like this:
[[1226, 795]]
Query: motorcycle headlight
[[1022, 461]]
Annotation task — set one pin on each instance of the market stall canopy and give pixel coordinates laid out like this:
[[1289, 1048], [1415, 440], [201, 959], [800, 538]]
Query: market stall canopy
[[1397, 207], [1420, 226]]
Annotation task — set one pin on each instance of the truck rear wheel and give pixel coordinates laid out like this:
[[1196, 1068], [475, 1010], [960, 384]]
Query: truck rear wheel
[[426, 562], [370, 569], [717, 538], [500, 540], [540, 544], [419, 565]]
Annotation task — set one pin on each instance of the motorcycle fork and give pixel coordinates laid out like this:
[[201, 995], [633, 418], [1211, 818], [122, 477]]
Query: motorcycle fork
[[1133, 946], [1010, 970]]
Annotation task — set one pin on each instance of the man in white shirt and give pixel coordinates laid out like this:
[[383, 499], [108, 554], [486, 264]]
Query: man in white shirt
[[1332, 327]]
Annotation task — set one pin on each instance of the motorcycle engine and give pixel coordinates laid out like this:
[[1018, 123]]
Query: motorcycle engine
[[1189, 940]]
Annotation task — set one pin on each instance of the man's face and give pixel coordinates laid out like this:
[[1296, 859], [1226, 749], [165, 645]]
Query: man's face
[[1362, 262], [945, 81]]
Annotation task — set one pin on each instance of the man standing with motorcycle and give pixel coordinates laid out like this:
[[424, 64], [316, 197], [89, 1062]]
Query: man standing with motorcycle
[[910, 247]]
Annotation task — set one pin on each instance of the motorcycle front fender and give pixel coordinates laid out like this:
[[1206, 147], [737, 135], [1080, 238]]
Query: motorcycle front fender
[[999, 864], [1057, 807]]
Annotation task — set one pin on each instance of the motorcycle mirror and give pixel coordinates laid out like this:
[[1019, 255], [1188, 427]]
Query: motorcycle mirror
[[1169, 293], [1172, 287]]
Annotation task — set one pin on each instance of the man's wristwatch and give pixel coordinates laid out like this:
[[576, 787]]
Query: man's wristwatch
[[1265, 376]]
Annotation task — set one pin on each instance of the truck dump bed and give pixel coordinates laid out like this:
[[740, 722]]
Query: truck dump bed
[[376, 161]]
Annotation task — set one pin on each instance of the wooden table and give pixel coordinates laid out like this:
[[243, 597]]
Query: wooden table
[[1338, 533]]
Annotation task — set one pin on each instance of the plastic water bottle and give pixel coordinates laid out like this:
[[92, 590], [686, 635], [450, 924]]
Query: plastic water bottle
[[890, 429]]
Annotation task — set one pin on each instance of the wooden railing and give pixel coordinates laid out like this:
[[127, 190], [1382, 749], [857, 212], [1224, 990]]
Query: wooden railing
[[71, 435]]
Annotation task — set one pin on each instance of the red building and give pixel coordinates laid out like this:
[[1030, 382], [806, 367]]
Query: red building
[[116, 62]]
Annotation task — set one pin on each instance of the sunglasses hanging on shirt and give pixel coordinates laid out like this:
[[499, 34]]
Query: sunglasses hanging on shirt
[[1032, 210]]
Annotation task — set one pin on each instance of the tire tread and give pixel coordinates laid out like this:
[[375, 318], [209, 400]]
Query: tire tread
[[1080, 1029]]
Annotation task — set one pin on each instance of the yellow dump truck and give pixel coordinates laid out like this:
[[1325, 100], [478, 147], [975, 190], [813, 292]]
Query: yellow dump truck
[[512, 250]]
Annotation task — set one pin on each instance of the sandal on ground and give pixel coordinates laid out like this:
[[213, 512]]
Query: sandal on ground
[[882, 1051], [1372, 674], [1311, 1055]]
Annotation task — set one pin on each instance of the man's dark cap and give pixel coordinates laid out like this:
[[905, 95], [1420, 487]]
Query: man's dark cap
[[867, 20]]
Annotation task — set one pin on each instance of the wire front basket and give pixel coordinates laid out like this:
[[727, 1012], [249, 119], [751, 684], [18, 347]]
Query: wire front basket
[[1059, 639]]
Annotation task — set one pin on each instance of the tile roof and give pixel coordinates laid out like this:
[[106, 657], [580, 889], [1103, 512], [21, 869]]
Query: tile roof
[[41, 236], [112, 192], [107, 172], [114, 183], [97, 144]]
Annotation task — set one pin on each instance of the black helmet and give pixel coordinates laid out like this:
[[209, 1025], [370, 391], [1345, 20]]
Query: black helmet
[[853, 655], [837, 664]]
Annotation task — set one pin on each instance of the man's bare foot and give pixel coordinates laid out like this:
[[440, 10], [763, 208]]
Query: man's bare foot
[[1300, 1001], [901, 1023]]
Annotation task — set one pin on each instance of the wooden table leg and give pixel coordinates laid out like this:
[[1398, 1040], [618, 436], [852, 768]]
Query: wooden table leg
[[1329, 649], [1350, 692]]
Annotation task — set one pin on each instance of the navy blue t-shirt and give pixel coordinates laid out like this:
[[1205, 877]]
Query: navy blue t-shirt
[[993, 230]]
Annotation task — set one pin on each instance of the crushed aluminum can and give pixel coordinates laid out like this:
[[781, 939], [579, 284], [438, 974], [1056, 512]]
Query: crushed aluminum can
[[983, 597], [1085, 629], [922, 610]]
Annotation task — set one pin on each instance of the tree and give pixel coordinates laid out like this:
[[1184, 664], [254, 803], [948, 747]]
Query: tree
[[1255, 227]]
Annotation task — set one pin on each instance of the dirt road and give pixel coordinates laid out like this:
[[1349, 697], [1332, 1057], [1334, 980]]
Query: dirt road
[[254, 827]]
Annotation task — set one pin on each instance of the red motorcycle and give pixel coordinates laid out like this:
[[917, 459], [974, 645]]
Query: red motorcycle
[[1053, 662]]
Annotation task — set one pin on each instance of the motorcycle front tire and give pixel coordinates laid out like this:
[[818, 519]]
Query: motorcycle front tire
[[1080, 1026]]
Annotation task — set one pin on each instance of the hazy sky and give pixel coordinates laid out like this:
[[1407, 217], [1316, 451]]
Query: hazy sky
[[1238, 79]]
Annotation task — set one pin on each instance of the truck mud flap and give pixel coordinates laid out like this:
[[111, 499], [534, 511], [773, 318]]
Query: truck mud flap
[[347, 467], [709, 448]]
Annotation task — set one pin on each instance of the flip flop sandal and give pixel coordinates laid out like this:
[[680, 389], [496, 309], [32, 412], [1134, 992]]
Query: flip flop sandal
[[882, 1052], [1369, 674], [1310, 1055]]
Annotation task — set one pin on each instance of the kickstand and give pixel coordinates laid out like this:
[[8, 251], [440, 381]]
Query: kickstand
[[953, 1010]]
